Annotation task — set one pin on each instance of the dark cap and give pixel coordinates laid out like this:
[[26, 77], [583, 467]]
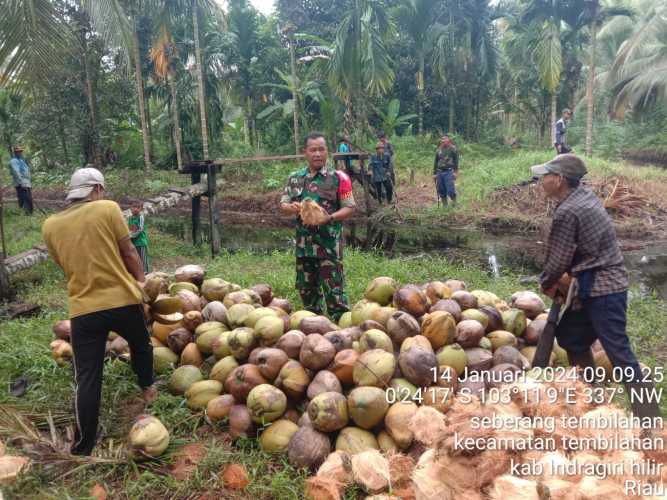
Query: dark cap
[[567, 165], [18, 148]]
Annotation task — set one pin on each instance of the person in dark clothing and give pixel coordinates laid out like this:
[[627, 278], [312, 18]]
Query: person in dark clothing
[[446, 169], [389, 151], [380, 173], [344, 146], [584, 261], [560, 131]]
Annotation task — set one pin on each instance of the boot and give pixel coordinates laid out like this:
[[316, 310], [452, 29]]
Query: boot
[[453, 202], [444, 201], [638, 395], [581, 359]]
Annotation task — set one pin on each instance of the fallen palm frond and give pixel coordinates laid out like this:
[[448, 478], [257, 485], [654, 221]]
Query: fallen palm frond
[[619, 198]]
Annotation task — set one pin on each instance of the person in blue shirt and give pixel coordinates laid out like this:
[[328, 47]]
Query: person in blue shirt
[[345, 147], [20, 171], [381, 173], [560, 133]]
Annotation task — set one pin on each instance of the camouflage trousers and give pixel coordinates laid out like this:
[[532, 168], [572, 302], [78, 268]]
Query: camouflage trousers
[[319, 281]]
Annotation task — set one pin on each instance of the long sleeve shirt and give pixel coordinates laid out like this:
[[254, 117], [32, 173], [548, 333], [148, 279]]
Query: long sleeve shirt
[[582, 238], [560, 131], [446, 158], [20, 172]]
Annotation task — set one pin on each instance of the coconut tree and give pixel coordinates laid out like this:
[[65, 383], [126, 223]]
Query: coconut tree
[[360, 65], [418, 16], [392, 120], [164, 55]]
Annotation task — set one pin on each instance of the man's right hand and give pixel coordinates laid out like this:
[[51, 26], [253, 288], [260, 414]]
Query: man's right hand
[[292, 208]]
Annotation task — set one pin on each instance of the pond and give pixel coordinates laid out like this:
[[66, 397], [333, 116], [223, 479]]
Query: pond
[[519, 254]]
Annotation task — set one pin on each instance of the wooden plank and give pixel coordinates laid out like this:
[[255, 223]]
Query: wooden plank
[[212, 212], [26, 259]]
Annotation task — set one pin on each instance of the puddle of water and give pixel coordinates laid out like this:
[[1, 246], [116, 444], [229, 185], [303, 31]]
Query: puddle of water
[[518, 254]]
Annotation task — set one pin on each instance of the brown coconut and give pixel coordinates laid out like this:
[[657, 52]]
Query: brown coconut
[[508, 486], [293, 379], [316, 352], [529, 302], [370, 324], [508, 354], [418, 365], [308, 448], [178, 339], [439, 328], [270, 360], [466, 300], [291, 343], [402, 325], [218, 408], [448, 305], [437, 290], [242, 380], [283, 304], [469, 332], [495, 318], [189, 301], [191, 355], [317, 324], [328, 411], [478, 359], [265, 293], [533, 331], [62, 329], [240, 421], [340, 340], [411, 299], [192, 319], [324, 381], [343, 365], [215, 311]]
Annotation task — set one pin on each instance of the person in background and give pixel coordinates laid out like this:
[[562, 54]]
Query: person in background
[[136, 222], [560, 133], [319, 249], [381, 173], [389, 151], [584, 261], [20, 172], [344, 146], [90, 241], [446, 169]]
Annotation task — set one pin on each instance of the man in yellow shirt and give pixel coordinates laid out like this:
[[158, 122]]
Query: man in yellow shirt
[[90, 241]]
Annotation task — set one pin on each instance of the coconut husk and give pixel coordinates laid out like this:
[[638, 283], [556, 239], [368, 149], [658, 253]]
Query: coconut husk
[[554, 463], [313, 214], [624, 459], [400, 469], [11, 466], [509, 487], [371, 471], [338, 467], [555, 489], [428, 479], [428, 425], [591, 488], [460, 426], [323, 488], [601, 432], [235, 477], [658, 452], [406, 492]]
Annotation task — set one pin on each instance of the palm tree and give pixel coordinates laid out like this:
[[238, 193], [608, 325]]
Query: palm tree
[[164, 55], [392, 120], [418, 16], [360, 65], [288, 31]]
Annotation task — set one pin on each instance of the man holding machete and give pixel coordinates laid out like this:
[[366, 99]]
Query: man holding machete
[[584, 264]]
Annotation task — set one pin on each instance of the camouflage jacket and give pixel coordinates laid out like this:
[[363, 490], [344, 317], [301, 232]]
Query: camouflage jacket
[[445, 159], [332, 190]]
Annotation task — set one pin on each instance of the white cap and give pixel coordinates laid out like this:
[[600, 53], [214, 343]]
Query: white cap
[[83, 182]]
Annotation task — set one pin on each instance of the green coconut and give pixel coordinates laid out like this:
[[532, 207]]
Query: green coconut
[[275, 438], [266, 403], [174, 288], [381, 290], [561, 355], [477, 315], [485, 343], [223, 368], [241, 341], [374, 368], [296, 317], [529, 354], [400, 389], [514, 321], [220, 345], [183, 377], [215, 289], [500, 338], [200, 393], [485, 298], [353, 440], [165, 305], [219, 407], [238, 313], [205, 341], [452, 355], [154, 286], [367, 406], [375, 339], [345, 321], [386, 442], [328, 411], [148, 438], [268, 329], [363, 310], [439, 327], [164, 359], [257, 314], [293, 379]]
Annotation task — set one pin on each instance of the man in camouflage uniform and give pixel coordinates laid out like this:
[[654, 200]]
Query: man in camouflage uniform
[[446, 169], [319, 249]]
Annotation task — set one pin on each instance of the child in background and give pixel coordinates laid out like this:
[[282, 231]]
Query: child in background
[[138, 233]]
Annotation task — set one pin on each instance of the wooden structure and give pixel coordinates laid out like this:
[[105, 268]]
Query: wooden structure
[[211, 169]]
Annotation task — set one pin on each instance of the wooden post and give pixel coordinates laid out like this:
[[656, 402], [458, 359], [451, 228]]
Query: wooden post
[[196, 209], [364, 182], [212, 212], [5, 286]]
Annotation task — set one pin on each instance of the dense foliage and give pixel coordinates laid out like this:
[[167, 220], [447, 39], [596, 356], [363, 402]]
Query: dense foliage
[[161, 82]]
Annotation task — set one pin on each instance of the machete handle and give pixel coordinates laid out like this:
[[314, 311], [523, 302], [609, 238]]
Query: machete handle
[[545, 343]]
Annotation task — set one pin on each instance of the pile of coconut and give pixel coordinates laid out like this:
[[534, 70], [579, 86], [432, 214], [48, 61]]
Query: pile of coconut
[[374, 399]]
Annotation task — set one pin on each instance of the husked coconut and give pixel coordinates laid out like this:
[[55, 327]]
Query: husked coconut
[[338, 467], [371, 470], [428, 425]]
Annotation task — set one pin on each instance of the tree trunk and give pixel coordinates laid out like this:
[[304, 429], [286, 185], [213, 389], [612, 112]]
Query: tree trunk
[[139, 84], [149, 121], [200, 81], [451, 111], [420, 93], [247, 136], [554, 104], [92, 108], [176, 120], [295, 97], [63, 139], [348, 116], [590, 99]]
